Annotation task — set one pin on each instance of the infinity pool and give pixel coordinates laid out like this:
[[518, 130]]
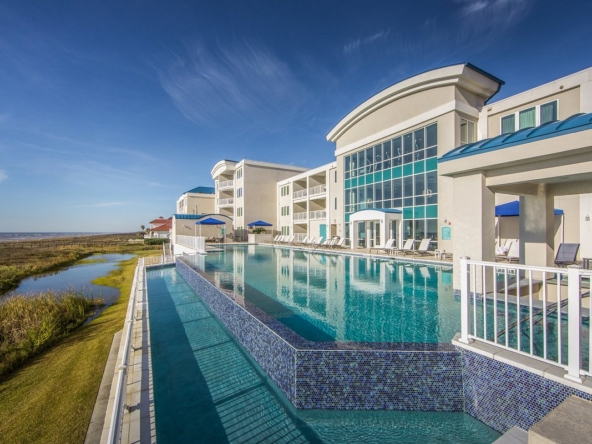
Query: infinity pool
[[329, 297], [207, 388]]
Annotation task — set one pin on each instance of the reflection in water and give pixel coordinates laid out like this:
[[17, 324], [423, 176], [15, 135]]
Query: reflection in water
[[77, 277], [340, 297]]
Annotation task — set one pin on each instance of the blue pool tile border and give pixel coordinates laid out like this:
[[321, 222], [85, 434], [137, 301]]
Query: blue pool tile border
[[334, 375], [503, 396]]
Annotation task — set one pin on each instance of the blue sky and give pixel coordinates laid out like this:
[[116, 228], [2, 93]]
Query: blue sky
[[110, 110]]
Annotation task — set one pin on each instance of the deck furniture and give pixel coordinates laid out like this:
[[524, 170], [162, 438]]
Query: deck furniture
[[388, 246], [566, 254], [423, 248], [408, 247], [513, 253]]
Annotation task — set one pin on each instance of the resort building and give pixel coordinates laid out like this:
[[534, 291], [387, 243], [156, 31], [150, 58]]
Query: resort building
[[198, 200], [308, 204], [246, 191]]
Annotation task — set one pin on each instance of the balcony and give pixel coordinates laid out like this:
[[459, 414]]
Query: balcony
[[317, 191], [226, 185], [224, 203], [320, 214], [300, 217], [300, 194]]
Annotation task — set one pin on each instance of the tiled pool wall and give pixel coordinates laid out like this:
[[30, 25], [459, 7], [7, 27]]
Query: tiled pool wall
[[424, 377], [503, 396]]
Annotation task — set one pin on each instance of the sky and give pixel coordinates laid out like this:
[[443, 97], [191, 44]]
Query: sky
[[110, 110]]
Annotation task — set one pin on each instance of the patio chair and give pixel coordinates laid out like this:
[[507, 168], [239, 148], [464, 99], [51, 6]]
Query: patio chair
[[319, 242], [275, 239], [303, 241], [513, 253], [289, 240], [339, 244], [279, 239], [388, 246], [566, 254], [311, 241], [407, 248], [423, 248]]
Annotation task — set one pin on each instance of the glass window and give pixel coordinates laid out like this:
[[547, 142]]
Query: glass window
[[467, 132], [378, 191], [432, 135], [369, 195], [397, 186], [419, 228], [397, 161], [549, 112], [419, 155], [397, 147], [407, 143], [347, 166], [408, 186], [432, 230], [378, 154], [386, 190], [407, 229], [369, 159], [361, 163], [527, 118], [508, 124], [419, 184], [432, 152], [397, 203], [361, 195], [419, 140], [419, 200], [432, 182], [386, 150]]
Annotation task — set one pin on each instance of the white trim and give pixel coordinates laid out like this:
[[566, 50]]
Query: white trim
[[451, 106]]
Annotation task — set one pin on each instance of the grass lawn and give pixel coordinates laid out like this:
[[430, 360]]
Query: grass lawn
[[50, 399]]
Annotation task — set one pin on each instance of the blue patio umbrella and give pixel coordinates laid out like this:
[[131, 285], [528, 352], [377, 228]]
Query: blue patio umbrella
[[260, 223], [209, 221]]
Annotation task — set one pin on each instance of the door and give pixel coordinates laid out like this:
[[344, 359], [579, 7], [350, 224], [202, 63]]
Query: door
[[323, 230]]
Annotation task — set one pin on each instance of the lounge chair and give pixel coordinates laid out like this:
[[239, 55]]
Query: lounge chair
[[566, 254], [279, 239], [423, 248], [303, 241], [407, 248], [513, 253], [339, 244], [319, 242], [289, 240], [274, 239], [388, 246], [311, 241]]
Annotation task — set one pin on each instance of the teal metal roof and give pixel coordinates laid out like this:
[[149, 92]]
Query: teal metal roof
[[573, 124], [202, 190], [188, 216]]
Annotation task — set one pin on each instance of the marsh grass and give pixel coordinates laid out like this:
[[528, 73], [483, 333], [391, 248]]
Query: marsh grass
[[19, 260], [30, 324]]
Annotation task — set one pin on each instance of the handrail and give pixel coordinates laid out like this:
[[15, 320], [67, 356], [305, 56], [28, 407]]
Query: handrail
[[492, 294], [116, 418], [319, 189], [225, 183], [300, 216], [300, 194], [228, 201], [318, 214]]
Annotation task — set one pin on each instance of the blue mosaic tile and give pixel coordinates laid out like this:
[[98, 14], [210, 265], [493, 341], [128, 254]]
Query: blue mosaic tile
[[338, 375], [503, 396]]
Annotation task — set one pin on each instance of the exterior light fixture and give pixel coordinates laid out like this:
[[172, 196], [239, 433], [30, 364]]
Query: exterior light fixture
[[587, 218]]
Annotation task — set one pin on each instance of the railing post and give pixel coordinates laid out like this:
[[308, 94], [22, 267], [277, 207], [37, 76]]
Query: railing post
[[464, 300], [574, 322]]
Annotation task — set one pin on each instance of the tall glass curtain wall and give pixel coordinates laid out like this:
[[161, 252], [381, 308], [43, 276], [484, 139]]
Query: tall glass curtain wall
[[400, 173]]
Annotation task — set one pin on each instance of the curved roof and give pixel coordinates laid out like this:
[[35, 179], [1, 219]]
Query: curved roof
[[575, 123], [477, 81]]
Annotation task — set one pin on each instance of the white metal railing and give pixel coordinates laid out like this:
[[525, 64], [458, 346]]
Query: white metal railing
[[320, 189], [223, 202], [534, 311], [197, 243], [300, 216], [300, 194], [226, 184], [138, 285], [159, 260], [319, 214]]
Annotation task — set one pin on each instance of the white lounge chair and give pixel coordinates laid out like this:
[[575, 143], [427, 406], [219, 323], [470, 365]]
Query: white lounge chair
[[388, 246], [303, 241], [423, 248], [513, 253], [339, 244], [407, 248]]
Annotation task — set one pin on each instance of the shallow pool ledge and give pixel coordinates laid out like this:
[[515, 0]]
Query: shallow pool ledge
[[344, 376]]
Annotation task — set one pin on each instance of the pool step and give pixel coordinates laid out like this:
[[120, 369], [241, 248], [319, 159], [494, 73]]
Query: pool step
[[566, 424], [513, 436]]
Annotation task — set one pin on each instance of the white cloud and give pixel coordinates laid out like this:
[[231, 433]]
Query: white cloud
[[232, 83], [3, 176], [493, 14], [358, 43]]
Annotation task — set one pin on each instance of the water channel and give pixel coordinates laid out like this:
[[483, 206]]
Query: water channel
[[77, 277]]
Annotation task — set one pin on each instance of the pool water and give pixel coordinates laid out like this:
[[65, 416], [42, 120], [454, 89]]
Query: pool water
[[208, 389], [328, 297]]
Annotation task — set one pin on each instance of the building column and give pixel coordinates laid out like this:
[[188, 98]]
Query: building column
[[537, 226], [473, 222]]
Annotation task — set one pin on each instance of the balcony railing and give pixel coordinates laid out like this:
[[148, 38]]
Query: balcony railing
[[226, 202], [299, 194], [226, 184], [319, 214], [300, 216], [315, 191], [533, 311], [196, 243]]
